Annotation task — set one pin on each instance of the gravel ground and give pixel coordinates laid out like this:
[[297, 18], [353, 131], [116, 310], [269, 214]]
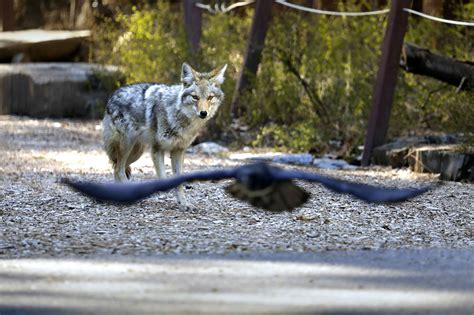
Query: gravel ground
[[41, 218]]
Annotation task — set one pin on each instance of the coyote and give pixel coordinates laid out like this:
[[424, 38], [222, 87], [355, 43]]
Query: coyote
[[167, 118]]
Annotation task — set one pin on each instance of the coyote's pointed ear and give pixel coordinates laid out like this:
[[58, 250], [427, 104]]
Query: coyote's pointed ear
[[217, 75], [188, 74]]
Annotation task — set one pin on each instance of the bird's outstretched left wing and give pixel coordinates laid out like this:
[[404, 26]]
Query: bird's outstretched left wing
[[365, 192], [134, 191]]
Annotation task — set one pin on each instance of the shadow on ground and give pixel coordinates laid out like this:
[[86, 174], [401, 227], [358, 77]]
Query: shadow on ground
[[355, 282]]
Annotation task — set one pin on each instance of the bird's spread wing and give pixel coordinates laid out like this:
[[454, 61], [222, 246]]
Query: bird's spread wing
[[365, 192], [279, 196], [134, 191]]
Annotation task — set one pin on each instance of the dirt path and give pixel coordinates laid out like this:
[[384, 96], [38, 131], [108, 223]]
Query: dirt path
[[41, 218], [414, 282]]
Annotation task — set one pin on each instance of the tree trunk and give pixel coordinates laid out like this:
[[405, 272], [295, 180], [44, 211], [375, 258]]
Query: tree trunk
[[258, 32], [192, 24], [422, 61], [7, 15]]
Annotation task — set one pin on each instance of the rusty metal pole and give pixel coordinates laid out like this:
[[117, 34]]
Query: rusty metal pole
[[386, 78], [8, 16], [192, 23], [256, 42]]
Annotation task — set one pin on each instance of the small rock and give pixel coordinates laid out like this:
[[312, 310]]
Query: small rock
[[305, 218], [298, 159], [327, 163], [208, 148]]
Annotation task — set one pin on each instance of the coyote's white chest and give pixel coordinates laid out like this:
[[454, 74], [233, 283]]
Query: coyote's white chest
[[177, 137]]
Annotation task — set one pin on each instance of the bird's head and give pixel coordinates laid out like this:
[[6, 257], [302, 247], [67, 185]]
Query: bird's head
[[255, 176]]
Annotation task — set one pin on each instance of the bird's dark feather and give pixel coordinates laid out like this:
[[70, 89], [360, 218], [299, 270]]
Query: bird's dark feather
[[277, 197], [134, 191], [261, 185], [365, 192]]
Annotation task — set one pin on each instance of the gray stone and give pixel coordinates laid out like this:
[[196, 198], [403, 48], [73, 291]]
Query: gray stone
[[298, 159], [327, 163], [56, 89], [208, 148]]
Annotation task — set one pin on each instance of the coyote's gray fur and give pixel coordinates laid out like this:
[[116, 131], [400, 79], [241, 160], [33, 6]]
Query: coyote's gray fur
[[166, 118]]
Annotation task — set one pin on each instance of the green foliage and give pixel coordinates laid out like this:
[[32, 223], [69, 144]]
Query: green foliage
[[145, 43], [222, 43], [422, 103], [316, 77]]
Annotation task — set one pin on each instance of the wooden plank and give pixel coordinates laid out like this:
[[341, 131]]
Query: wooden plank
[[386, 78], [192, 23], [256, 42], [41, 45]]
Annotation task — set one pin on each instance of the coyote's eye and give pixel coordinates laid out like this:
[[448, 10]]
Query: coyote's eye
[[194, 96], [210, 97]]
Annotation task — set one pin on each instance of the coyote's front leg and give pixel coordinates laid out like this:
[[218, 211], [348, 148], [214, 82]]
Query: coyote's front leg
[[177, 160], [158, 157]]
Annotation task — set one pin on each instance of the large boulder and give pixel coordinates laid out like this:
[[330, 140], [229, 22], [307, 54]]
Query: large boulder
[[56, 89]]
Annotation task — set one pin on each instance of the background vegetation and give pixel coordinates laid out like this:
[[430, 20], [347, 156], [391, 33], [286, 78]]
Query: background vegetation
[[316, 77]]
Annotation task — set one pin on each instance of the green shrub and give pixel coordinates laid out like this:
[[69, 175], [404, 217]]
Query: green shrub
[[315, 81]]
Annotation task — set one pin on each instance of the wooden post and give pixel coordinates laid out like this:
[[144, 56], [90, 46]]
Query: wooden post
[[258, 32], [8, 16], [192, 23], [386, 78]]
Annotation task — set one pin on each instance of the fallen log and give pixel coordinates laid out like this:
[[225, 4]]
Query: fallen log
[[422, 61]]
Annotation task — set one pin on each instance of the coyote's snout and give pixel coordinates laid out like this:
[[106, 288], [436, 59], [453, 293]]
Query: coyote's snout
[[167, 118]]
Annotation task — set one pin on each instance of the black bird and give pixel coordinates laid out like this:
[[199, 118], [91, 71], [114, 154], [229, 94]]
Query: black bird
[[268, 187]]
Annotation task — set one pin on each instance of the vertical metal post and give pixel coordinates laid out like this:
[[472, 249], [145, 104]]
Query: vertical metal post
[[256, 42], [7, 14], [192, 23], [386, 78]]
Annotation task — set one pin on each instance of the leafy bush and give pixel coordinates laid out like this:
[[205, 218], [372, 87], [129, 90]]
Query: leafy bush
[[145, 43], [315, 81], [316, 78]]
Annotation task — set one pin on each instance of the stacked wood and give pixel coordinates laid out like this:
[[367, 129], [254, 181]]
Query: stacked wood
[[429, 154], [452, 162]]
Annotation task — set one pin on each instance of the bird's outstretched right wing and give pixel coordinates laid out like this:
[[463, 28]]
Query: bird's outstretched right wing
[[365, 192], [134, 191]]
